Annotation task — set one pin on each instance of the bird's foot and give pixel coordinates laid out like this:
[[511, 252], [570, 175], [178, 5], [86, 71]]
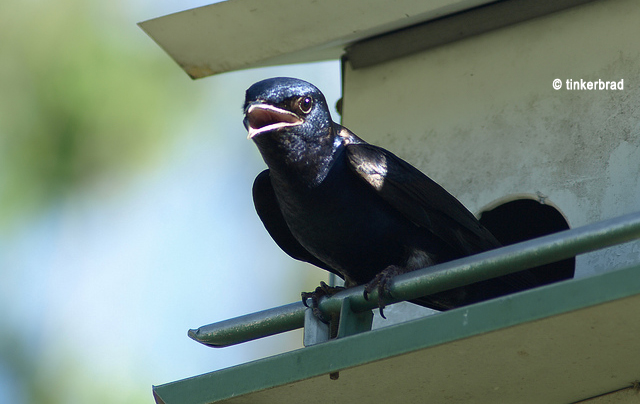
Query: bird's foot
[[382, 283], [322, 290]]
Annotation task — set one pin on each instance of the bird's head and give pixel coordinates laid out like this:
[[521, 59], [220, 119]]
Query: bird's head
[[284, 105], [289, 120]]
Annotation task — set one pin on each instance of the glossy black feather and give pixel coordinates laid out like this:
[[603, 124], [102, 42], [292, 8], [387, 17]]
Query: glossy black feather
[[352, 208], [269, 212], [419, 198]]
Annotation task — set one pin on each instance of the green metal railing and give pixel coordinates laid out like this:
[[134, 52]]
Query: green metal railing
[[437, 278]]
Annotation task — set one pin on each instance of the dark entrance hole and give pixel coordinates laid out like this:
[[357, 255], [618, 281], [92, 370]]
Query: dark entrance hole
[[524, 219]]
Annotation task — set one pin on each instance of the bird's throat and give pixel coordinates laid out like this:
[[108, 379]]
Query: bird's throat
[[297, 161]]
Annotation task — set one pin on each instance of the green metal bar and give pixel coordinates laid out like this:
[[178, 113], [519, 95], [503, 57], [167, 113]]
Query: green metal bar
[[251, 326], [433, 279], [513, 258]]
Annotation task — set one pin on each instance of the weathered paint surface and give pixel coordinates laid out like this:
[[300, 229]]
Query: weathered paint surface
[[481, 116]]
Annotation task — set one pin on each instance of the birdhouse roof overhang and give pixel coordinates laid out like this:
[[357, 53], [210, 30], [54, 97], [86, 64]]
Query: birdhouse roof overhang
[[240, 34]]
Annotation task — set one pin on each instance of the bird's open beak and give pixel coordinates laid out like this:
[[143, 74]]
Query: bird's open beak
[[261, 118]]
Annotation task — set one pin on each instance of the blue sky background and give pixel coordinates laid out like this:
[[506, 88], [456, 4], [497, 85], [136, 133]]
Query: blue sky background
[[104, 284]]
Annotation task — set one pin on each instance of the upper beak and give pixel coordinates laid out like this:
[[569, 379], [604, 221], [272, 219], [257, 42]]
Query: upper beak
[[260, 118]]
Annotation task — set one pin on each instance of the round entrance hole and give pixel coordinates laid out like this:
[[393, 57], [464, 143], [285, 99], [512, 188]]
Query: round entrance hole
[[525, 219]]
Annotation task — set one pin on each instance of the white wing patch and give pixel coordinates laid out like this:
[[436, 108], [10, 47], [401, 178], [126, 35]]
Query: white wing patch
[[374, 171]]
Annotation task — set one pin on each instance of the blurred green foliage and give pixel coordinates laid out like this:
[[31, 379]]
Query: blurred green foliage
[[83, 94], [71, 381]]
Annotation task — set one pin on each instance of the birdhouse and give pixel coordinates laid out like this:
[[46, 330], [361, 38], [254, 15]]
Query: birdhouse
[[528, 113]]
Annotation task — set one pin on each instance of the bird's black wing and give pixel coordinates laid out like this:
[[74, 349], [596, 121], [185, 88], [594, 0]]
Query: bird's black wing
[[420, 199], [431, 207], [268, 209]]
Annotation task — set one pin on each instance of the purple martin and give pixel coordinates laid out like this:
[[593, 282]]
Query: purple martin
[[331, 199]]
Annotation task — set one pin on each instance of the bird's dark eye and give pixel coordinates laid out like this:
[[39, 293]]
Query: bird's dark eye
[[305, 104]]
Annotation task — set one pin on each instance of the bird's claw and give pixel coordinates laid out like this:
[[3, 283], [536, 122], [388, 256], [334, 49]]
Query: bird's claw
[[321, 291], [382, 283]]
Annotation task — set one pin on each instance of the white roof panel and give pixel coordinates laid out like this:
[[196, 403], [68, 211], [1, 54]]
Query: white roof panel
[[239, 34]]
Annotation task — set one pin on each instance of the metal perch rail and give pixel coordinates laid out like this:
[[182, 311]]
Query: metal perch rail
[[437, 278]]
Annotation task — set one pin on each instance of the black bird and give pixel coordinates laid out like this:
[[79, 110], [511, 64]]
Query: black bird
[[352, 208]]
